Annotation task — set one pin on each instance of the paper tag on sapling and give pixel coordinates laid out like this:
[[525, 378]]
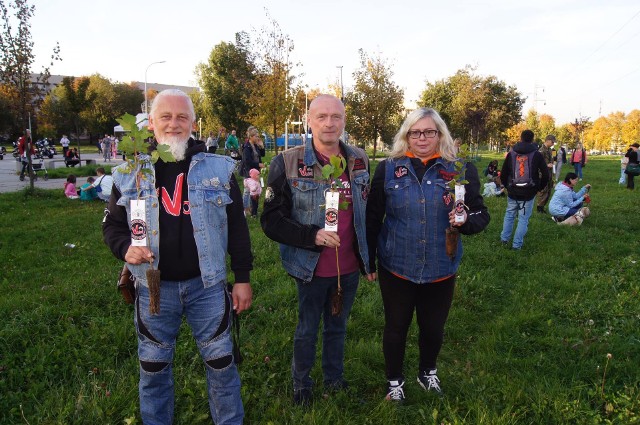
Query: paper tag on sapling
[[461, 214], [332, 203], [138, 223]]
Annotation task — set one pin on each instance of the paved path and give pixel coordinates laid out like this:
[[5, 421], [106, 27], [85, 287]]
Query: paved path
[[10, 181]]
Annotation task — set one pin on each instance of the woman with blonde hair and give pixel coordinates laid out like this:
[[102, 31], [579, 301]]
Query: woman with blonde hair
[[409, 209]]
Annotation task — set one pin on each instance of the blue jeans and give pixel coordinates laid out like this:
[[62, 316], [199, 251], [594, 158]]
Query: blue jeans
[[208, 313], [577, 166], [523, 210], [314, 302], [623, 177]]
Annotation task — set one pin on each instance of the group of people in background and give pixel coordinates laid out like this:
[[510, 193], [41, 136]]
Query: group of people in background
[[98, 187], [108, 147]]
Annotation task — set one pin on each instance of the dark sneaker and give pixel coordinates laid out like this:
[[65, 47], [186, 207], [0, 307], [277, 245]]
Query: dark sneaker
[[302, 396], [395, 391], [336, 386], [429, 381]]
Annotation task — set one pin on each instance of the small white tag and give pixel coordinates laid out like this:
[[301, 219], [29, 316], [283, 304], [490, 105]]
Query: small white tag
[[460, 191], [461, 213], [138, 223], [332, 202], [261, 182]]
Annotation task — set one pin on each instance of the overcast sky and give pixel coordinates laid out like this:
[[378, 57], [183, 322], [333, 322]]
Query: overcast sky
[[574, 57]]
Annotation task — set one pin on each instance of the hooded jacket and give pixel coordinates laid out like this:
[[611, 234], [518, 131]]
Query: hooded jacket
[[539, 173]]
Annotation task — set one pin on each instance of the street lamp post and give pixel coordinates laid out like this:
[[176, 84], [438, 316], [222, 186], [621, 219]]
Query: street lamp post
[[341, 86], [145, 87]]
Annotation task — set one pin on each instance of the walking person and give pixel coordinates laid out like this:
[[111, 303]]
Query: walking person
[[408, 215], [26, 150], [634, 159], [579, 159], [252, 152], [524, 173], [64, 142], [212, 142], [106, 148], [561, 159], [194, 212], [294, 216]]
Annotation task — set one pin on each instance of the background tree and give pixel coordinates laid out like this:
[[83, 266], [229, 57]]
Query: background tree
[[630, 130], [77, 99], [477, 109], [16, 59], [227, 79], [110, 101], [273, 91], [374, 104]]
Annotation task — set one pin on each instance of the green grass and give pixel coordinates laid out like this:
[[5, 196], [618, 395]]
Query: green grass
[[526, 341]]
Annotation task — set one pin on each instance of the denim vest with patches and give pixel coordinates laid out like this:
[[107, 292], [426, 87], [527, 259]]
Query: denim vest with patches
[[209, 194], [308, 198], [412, 240]]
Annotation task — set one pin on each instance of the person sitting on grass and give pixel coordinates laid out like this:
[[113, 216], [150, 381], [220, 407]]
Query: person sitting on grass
[[87, 191], [566, 204], [70, 187]]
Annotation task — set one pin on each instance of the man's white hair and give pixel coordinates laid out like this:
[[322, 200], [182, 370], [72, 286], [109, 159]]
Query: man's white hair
[[173, 92]]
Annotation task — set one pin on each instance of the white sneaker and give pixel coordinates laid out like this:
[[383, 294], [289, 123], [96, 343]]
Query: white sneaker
[[396, 393], [429, 381]]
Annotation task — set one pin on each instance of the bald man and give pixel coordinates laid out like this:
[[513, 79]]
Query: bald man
[[294, 216]]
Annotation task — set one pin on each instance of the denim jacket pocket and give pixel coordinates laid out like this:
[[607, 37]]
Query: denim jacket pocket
[[307, 195], [218, 197], [397, 193]]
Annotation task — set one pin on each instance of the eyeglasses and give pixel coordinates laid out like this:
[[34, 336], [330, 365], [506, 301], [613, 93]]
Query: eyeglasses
[[428, 134]]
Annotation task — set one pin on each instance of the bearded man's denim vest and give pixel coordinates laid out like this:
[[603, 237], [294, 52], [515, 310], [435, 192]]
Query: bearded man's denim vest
[[209, 194]]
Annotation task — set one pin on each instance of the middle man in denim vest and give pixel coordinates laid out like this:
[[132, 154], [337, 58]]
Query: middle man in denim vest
[[294, 216]]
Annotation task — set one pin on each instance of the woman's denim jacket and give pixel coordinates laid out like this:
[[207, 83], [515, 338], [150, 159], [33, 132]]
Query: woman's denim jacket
[[308, 193], [412, 240], [208, 180]]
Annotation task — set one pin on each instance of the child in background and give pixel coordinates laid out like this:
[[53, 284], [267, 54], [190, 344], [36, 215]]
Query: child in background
[[252, 191], [70, 187], [87, 191]]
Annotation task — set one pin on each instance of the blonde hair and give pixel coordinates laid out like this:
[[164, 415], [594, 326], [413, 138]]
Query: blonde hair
[[446, 147]]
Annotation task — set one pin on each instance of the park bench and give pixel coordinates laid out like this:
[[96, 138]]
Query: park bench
[[51, 163]]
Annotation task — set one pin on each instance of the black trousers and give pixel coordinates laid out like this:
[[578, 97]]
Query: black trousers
[[431, 302]]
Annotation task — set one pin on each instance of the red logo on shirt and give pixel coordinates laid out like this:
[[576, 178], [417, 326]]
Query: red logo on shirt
[[176, 205]]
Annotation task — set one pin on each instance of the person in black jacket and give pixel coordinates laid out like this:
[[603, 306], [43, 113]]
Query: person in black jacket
[[634, 158], [252, 152], [521, 197]]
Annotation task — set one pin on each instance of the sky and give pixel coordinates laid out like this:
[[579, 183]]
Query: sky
[[569, 58]]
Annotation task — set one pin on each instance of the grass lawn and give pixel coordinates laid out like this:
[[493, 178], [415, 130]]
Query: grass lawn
[[526, 341]]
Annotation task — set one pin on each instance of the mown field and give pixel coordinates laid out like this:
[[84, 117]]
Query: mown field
[[527, 341]]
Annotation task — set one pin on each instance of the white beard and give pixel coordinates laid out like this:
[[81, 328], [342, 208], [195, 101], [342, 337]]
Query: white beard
[[177, 146]]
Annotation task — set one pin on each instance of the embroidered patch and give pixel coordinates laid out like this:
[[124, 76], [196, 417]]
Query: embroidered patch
[[447, 198], [447, 175], [268, 194], [401, 171], [365, 192], [304, 171], [359, 165]]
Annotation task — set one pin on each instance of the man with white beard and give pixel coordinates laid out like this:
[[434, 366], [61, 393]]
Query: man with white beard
[[192, 215]]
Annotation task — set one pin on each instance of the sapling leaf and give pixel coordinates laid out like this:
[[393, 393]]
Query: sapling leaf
[[326, 171], [125, 145], [164, 153], [343, 205]]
